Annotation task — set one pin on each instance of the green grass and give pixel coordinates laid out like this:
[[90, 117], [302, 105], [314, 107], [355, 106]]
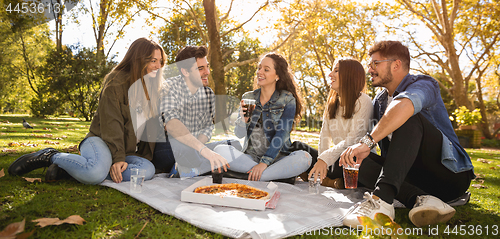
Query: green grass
[[111, 214]]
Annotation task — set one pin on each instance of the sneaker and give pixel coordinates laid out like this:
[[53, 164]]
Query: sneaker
[[173, 173], [186, 172], [430, 210], [369, 208]]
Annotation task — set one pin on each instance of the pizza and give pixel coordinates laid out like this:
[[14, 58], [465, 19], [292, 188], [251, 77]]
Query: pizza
[[233, 190]]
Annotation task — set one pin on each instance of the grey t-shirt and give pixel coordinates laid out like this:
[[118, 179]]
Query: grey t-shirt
[[258, 143]]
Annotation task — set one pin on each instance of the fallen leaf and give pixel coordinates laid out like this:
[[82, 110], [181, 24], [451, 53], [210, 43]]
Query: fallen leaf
[[70, 149], [32, 180], [74, 219], [493, 168], [12, 229], [478, 186], [2, 173], [483, 160], [47, 129], [14, 144], [479, 176], [50, 142], [9, 150], [3, 133]]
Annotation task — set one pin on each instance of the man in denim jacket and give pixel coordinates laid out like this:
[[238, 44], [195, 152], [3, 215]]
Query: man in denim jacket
[[422, 163]]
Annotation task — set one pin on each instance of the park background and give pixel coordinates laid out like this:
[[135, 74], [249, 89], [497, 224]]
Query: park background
[[51, 70]]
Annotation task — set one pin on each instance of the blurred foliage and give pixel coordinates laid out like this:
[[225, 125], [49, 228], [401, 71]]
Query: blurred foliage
[[464, 116], [74, 75], [319, 41], [188, 27]]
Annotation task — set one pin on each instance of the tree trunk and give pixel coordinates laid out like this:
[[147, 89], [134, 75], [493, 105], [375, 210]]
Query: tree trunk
[[459, 89], [103, 16], [215, 59], [484, 122]]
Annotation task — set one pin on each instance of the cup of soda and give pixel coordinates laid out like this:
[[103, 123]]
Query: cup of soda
[[351, 176], [216, 176], [249, 104]]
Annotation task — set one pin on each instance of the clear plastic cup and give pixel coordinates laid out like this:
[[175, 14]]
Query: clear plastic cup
[[136, 179]]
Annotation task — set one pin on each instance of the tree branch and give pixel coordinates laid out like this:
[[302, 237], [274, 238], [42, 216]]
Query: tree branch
[[227, 13], [241, 63], [197, 23], [241, 25]]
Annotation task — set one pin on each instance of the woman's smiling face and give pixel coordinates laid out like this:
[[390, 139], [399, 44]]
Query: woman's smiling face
[[266, 74], [334, 77]]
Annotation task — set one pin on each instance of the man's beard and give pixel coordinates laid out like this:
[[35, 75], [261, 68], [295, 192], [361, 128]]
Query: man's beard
[[388, 78]]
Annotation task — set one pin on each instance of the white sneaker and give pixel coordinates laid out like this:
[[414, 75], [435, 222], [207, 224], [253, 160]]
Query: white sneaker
[[430, 210], [368, 208]]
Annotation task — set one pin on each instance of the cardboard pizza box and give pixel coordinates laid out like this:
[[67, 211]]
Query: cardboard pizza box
[[188, 195]]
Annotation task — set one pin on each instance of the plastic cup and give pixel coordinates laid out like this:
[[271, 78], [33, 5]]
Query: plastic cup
[[136, 179], [314, 186], [250, 105], [217, 177], [351, 176]]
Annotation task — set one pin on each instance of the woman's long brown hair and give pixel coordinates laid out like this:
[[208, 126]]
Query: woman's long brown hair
[[351, 84], [136, 60], [285, 81]]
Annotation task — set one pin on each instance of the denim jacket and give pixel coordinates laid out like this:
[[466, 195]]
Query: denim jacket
[[277, 117], [424, 93]]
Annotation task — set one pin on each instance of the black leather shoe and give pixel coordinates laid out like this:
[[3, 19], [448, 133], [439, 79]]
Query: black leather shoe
[[233, 174], [286, 180], [55, 173], [32, 161]]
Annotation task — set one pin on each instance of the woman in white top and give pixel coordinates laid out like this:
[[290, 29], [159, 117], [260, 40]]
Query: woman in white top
[[346, 119]]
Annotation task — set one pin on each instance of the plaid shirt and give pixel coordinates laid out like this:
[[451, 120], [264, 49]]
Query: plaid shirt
[[194, 111]]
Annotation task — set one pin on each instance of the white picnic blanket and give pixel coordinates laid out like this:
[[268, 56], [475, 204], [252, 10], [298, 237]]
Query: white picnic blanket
[[296, 212]]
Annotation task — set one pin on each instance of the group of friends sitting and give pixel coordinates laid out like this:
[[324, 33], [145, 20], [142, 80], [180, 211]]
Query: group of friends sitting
[[421, 163]]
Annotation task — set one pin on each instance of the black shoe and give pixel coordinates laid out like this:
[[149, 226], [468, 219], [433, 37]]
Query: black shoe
[[55, 173], [32, 161], [233, 174], [286, 180]]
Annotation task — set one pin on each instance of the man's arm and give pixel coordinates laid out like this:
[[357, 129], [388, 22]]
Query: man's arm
[[397, 113], [203, 138], [179, 131]]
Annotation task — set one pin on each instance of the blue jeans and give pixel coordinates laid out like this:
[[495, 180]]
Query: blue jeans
[[289, 166], [94, 163], [172, 151]]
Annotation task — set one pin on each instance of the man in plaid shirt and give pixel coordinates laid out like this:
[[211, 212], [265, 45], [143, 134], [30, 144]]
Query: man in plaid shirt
[[188, 109]]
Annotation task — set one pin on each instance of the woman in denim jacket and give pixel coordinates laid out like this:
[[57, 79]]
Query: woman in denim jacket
[[266, 153]]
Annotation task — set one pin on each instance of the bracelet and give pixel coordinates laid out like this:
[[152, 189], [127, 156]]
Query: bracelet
[[366, 140], [204, 147], [371, 138]]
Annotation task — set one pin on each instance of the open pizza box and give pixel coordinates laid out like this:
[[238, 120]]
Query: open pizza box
[[188, 195]]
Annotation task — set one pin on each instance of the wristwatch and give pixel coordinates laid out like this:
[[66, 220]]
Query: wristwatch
[[368, 140]]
